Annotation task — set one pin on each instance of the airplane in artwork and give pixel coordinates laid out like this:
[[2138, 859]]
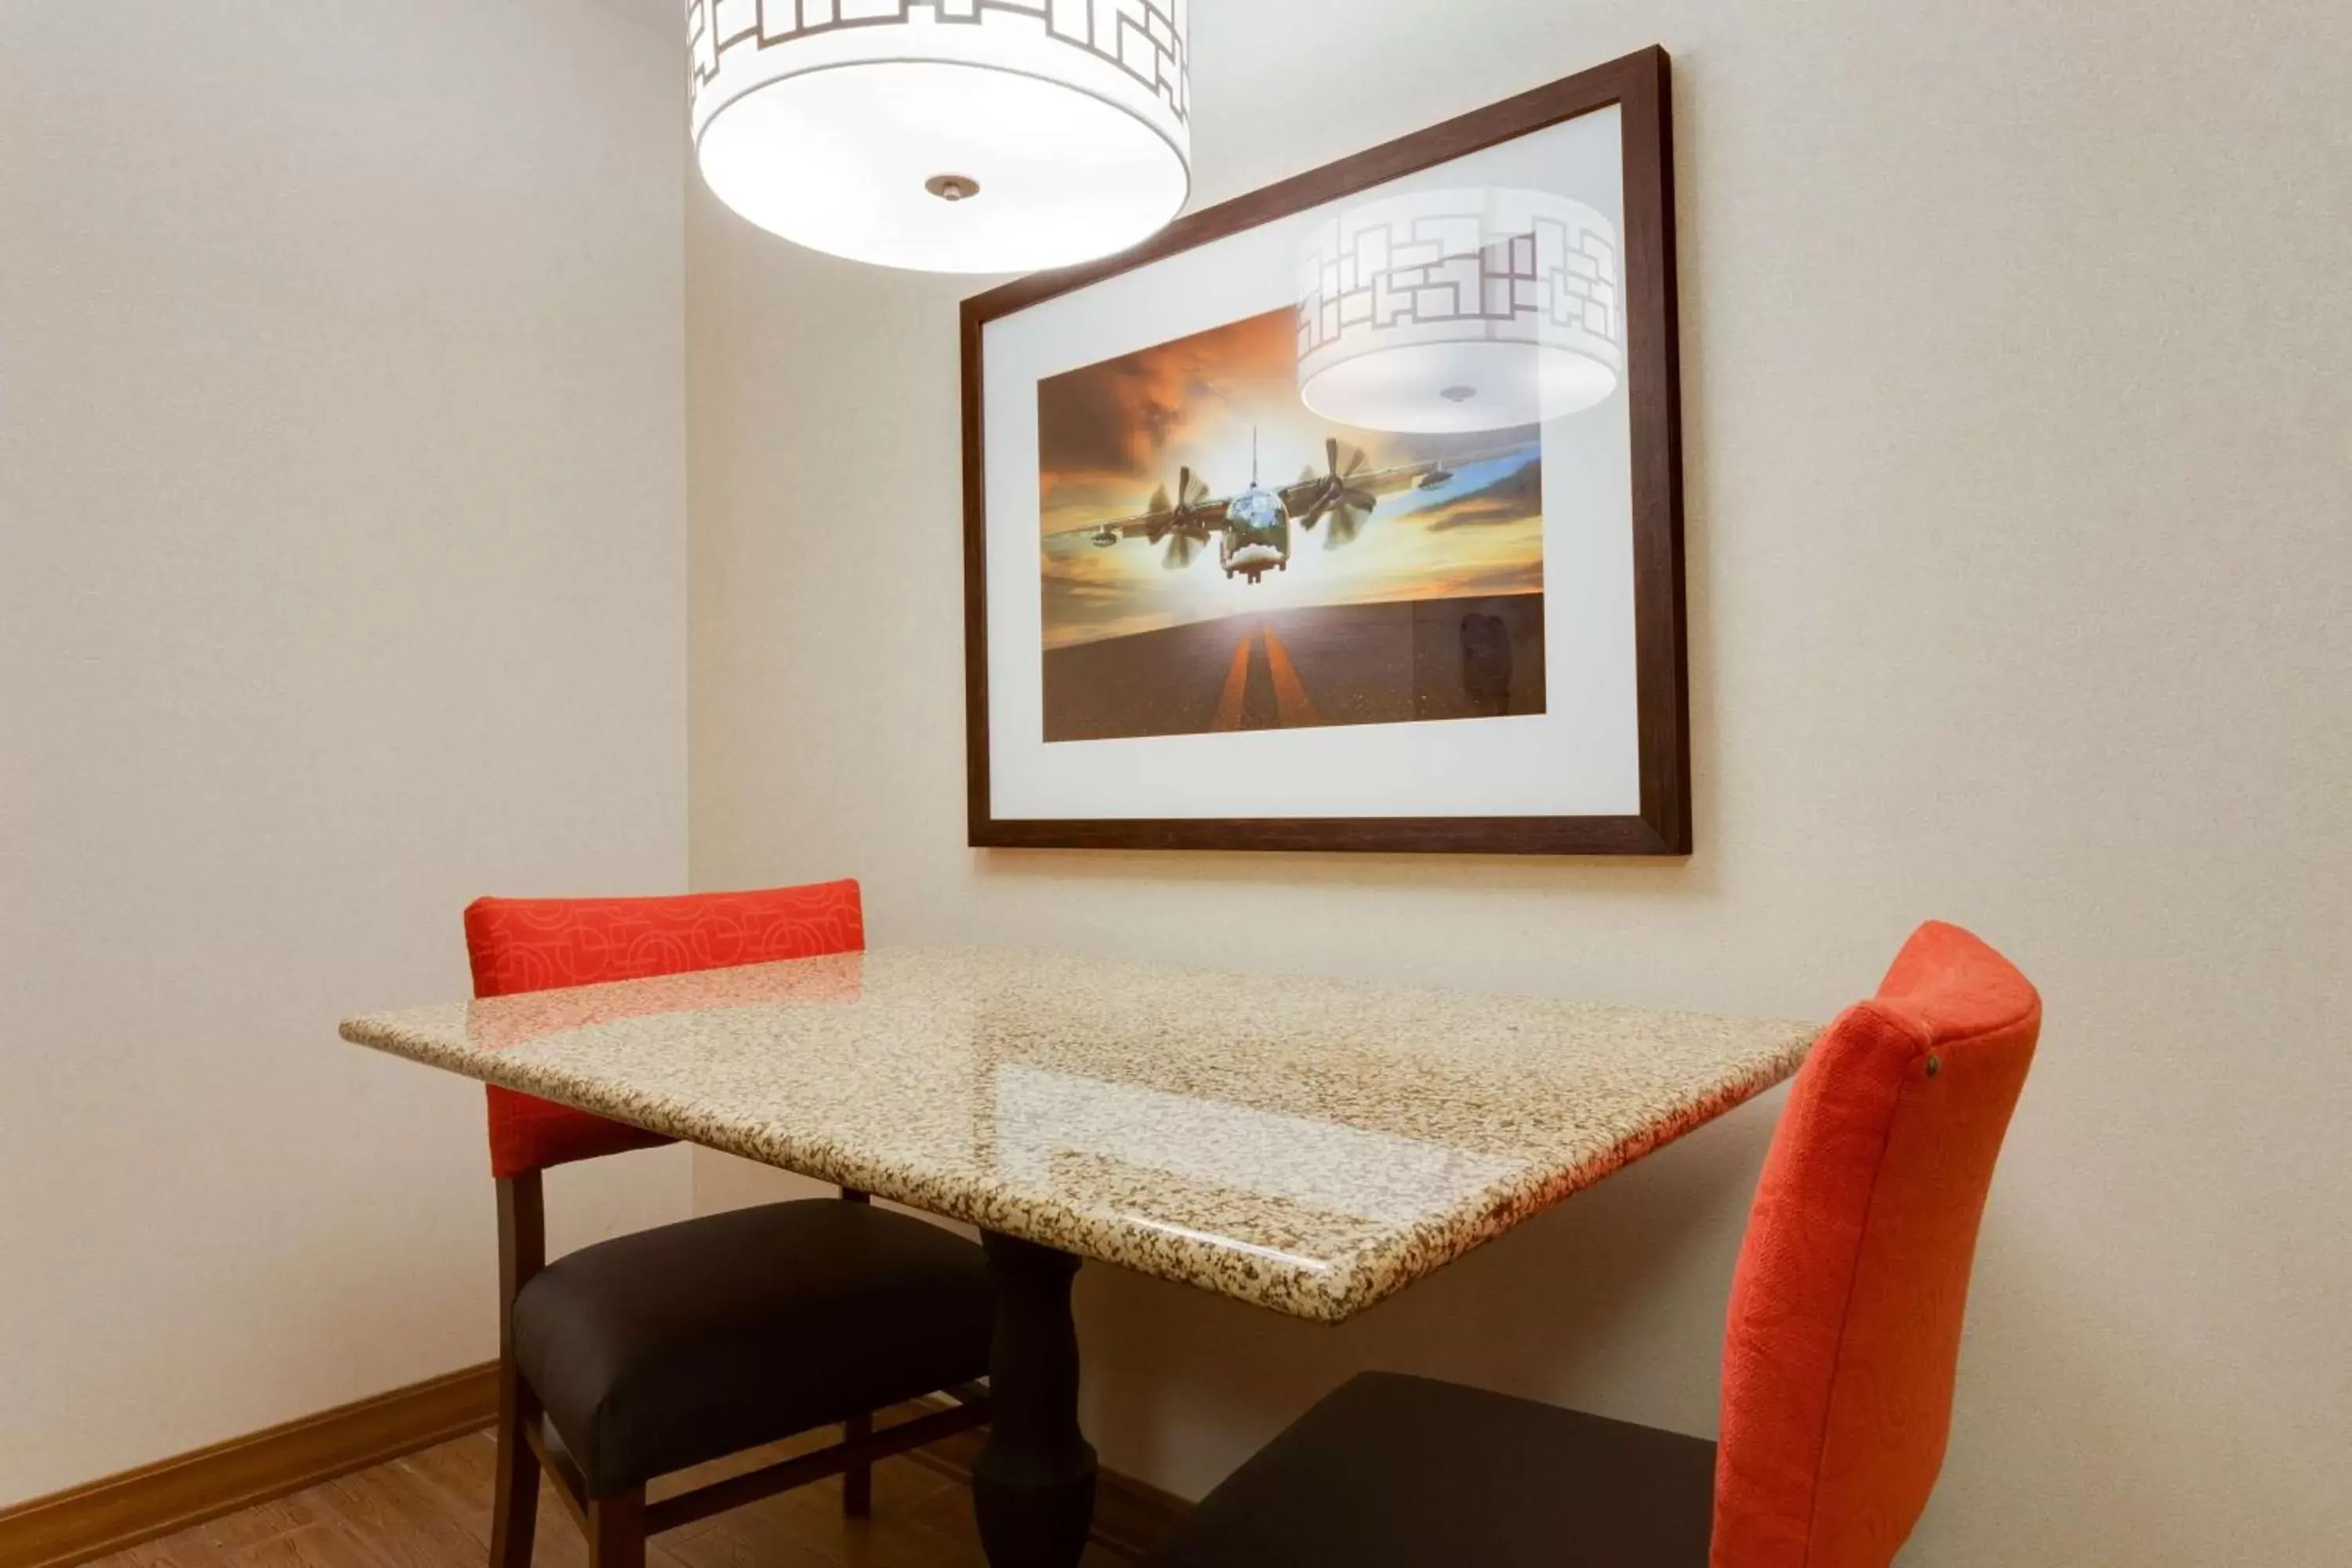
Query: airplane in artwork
[[1252, 528]]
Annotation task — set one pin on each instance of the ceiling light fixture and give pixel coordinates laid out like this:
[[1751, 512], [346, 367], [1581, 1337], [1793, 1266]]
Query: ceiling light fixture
[[945, 136]]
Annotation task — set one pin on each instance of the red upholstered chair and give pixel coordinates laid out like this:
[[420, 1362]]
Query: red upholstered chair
[[1838, 1363], [652, 1352]]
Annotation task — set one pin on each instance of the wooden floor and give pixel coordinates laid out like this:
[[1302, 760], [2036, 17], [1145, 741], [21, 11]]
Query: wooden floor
[[432, 1508]]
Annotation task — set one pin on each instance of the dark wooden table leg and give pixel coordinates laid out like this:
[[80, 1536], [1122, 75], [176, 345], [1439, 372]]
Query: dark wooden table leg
[[1032, 1486]]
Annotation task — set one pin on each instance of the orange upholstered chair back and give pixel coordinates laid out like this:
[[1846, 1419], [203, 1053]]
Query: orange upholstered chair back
[[1845, 1312], [540, 944]]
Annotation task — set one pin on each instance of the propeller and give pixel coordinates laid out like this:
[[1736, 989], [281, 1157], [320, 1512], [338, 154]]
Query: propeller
[[1179, 522], [1337, 495]]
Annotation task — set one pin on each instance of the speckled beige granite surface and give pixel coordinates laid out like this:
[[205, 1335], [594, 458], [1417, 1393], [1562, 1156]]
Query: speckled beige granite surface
[[1311, 1146]]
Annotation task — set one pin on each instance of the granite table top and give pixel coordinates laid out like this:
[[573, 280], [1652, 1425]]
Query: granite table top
[[1311, 1146]]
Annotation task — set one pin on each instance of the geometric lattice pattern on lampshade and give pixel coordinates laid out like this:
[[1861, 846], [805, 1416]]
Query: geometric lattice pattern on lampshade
[[1145, 38], [1460, 310]]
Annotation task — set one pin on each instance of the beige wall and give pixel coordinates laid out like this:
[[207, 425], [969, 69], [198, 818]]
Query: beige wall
[[342, 575], [2015, 346]]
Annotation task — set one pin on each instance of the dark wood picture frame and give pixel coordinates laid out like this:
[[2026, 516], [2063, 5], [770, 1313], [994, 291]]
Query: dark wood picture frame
[[1638, 84]]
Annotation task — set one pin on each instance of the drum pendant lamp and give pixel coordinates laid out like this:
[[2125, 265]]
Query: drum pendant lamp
[[945, 136]]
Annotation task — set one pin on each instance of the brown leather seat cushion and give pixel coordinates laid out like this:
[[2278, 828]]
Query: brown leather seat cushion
[[1402, 1472], [675, 1345]]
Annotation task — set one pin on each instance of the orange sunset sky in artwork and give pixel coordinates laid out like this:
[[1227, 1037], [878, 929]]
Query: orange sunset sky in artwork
[[1108, 434]]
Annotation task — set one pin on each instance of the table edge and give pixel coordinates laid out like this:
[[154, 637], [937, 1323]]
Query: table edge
[[1348, 1287]]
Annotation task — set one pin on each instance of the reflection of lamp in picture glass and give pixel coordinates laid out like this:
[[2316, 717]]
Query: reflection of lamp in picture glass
[[1461, 309]]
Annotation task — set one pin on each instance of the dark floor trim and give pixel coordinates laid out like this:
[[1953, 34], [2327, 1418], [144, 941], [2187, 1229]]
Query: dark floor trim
[[156, 1499], [1130, 1516]]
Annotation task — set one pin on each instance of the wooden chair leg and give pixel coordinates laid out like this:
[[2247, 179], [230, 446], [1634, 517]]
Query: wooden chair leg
[[617, 1530], [522, 1252], [514, 1501], [857, 1481]]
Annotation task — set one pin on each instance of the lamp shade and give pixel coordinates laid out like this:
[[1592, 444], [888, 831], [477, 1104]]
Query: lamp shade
[[1460, 310], [946, 135]]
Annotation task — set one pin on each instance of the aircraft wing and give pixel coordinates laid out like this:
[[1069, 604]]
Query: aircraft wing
[[1387, 481], [1209, 514], [1367, 486]]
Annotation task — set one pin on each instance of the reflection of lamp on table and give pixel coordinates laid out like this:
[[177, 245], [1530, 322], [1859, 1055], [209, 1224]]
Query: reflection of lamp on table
[[1460, 310]]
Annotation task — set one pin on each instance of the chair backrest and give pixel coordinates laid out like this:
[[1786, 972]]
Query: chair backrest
[[1844, 1329], [541, 944]]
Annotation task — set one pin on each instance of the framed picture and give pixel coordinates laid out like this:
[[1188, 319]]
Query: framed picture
[[1347, 514]]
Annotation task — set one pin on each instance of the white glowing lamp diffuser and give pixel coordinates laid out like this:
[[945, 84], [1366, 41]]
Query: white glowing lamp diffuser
[[945, 136], [1476, 309]]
